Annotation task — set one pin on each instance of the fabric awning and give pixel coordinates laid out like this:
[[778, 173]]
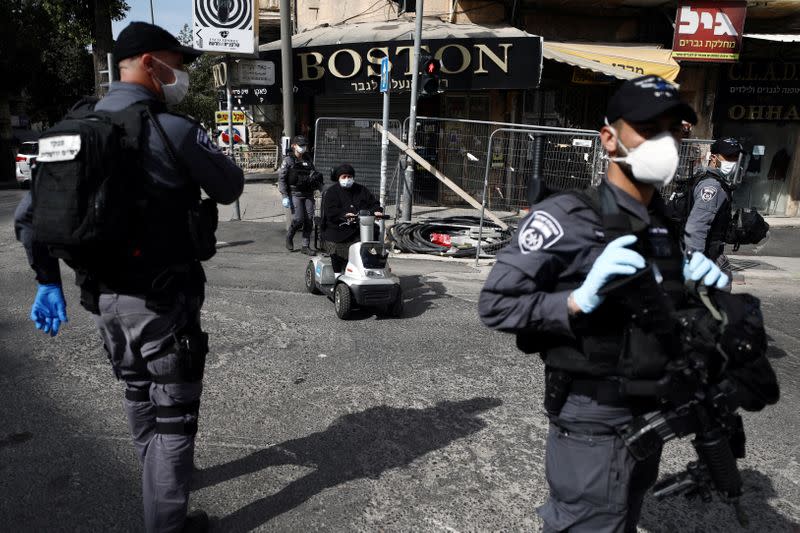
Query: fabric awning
[[623, 62]]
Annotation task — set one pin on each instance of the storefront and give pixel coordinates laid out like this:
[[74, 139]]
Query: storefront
[[337, 69], [758, 102]]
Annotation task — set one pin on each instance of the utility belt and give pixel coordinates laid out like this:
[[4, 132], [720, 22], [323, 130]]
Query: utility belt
[[638, 395], [160, 292]]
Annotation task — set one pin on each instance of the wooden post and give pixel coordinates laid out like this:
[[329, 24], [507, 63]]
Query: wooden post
[[441, 177]]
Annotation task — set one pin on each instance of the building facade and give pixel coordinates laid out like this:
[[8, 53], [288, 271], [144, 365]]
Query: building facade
[[547, 62]]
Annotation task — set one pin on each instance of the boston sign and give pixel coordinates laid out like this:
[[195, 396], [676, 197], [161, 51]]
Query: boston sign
[[467, 64]]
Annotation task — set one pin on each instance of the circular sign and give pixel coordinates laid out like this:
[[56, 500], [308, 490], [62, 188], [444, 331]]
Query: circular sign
[[231, 14]]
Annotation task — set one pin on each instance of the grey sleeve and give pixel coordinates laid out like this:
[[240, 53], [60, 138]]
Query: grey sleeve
[[46, 267], [513, 300], [200, 158], [708, 198], [519, 293], [283, 186]]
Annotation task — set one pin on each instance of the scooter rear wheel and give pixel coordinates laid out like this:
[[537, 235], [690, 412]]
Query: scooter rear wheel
[[311, 286], [342, 301]]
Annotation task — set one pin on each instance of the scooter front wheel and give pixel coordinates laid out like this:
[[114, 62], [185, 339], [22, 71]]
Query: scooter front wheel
[[311, 286], [342, 301]]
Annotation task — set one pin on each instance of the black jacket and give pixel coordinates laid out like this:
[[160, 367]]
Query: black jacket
[[338, 201]]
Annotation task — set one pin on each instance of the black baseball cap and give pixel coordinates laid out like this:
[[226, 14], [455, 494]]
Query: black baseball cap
[[645, 98], [140, 37], [727, 147], [300, 140]]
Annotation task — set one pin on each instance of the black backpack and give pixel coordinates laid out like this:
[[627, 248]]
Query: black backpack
[[302, 176], [747, 227], [86, 179]]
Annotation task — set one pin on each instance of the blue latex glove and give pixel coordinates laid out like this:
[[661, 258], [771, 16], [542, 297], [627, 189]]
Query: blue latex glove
[[701, 267], [616, 260], [286, 203], [49, 309]]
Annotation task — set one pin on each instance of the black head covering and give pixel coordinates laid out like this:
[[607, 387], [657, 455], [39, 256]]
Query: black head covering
[[344, 168]]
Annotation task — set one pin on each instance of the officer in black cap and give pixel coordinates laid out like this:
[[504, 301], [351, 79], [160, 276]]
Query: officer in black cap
[[711, 202], [146, 304], [298, 180], [546, 287]]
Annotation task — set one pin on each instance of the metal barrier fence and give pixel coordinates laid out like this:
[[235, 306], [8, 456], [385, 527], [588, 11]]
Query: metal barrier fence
[[259, 159], [355, 141], [693, 153], [460, 150]]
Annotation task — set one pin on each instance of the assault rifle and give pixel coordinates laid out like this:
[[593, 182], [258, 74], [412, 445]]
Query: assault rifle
[[696, 395]]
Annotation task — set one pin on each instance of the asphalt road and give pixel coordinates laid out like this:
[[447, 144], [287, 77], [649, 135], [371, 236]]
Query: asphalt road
[[429, 422]]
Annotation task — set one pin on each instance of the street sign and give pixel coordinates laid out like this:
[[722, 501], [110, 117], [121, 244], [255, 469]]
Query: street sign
[[221, 117], [255, 73], [226, 26], [385, 76], [239, 135]]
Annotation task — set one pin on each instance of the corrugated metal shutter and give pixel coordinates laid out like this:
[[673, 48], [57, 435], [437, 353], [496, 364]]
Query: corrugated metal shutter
[[361, 106]]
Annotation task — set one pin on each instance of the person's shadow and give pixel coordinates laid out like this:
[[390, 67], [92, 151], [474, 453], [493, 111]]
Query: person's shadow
[[678, 514], [356, 445]]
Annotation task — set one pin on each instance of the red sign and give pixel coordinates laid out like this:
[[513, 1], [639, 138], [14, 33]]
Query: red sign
[[708, 30]]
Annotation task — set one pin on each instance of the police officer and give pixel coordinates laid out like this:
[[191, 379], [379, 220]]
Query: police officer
[[546, 288], [297, 182], [147, 306], [710, 214], [340, 207]]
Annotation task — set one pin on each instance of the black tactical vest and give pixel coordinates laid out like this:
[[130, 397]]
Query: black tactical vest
[[607, 342]]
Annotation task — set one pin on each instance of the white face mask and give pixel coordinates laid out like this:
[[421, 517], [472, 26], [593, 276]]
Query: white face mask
[[655, 161], [346, 182], [727, 168], [300, 149], [174, 92]]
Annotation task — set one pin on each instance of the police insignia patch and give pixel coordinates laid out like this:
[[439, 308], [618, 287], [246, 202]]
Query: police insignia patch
[[541, 231], [205, 142], [708, 193]]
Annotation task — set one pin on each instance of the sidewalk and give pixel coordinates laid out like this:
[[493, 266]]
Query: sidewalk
[[747, 267]]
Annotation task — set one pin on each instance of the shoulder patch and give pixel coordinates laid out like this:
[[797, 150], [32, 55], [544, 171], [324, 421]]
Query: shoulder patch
[[708, 193], [541, 231], [205, 142]]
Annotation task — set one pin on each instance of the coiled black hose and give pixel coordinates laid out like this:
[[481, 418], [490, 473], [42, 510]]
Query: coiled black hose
[[415, 237]]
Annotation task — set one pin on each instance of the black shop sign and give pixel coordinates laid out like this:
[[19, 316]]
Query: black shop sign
[[467, 65], [759, 91]]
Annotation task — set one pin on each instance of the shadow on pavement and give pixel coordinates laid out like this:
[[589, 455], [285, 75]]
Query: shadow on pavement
[[357, 445], [420, 294], [678, 515], [773, 350]]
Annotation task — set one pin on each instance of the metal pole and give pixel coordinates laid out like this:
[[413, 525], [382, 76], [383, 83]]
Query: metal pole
[[110, 62], [384, 148], [152, 17], [287, 76], [408, 189], [483, 198], [236, 214]]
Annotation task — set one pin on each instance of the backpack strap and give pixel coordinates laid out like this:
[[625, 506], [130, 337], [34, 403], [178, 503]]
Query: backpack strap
[[601, 200]]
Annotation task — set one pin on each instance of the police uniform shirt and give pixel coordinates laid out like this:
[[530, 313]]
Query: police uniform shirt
[[709, 197], [558, 241], [205, 165], [283, 174]]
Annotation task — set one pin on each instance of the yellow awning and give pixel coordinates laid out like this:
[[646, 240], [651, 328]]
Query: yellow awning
[[624, 62]]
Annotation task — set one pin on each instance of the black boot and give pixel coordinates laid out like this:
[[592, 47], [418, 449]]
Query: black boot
[[196, 522], [289, 242], [308, 251]]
